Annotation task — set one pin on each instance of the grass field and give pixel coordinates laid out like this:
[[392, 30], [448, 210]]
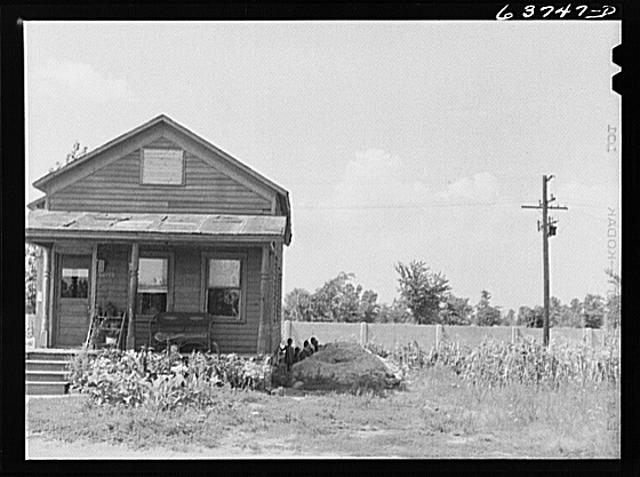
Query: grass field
[[437, 416]]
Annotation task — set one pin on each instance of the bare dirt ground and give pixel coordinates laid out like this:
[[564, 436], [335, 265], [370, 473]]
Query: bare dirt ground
[[43, 448]]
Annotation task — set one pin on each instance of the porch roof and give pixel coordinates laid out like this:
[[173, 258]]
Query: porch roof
[[47, 225]]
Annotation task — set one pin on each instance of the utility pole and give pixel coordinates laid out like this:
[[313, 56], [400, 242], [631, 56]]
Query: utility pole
[[548, 228]]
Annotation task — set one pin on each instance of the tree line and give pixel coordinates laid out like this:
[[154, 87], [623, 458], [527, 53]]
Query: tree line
[[425, 297]]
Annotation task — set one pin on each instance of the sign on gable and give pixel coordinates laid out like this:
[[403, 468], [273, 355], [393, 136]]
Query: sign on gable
[[162, 166]]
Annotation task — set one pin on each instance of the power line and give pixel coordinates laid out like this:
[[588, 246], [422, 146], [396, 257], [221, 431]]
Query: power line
[[580, 205], [403, 206]]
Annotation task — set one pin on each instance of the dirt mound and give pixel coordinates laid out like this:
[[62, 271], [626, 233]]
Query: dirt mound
[[343, 367]]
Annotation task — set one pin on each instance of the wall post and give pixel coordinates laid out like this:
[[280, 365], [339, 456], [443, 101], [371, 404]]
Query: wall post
[[46, 298], [93, 281], [364, 333], [587, 336], [438, 335], [514, 334], [263, 324], [133, 290]]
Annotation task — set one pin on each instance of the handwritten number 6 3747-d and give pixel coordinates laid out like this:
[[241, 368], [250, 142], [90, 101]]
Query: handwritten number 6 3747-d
[[579, 11]]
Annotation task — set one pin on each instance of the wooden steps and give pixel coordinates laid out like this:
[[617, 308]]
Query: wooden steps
[[46, 388], [47, 376], [47, 371], [42, 365]]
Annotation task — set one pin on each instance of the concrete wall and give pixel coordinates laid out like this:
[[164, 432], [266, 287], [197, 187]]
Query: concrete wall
[[324, 332], [390, 335]]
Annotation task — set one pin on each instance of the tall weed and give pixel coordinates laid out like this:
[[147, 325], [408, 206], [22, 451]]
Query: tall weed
[[496, 363]]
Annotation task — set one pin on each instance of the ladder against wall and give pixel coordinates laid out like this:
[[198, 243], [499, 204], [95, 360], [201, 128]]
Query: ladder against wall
[[106, 331]]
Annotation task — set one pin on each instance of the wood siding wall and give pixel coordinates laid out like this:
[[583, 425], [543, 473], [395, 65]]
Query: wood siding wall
[[243, 337], [238, 337], [117, 188], [112, 282]]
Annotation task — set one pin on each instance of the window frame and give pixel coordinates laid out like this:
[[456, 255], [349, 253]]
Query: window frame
[[169, 255], [61, 279], [153, 184], [204, 284]]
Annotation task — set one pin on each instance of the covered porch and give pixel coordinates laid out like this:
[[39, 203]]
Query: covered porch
[[134, 266]]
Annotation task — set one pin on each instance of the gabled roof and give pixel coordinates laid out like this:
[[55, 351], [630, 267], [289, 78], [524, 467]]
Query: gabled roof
[[84, 162], [34, 204]]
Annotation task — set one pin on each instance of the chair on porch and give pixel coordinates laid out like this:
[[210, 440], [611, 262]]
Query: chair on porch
[[188, 330]]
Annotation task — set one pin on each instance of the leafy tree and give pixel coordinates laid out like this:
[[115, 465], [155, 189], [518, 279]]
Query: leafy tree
[[560, 314], [397, 312], [298, 305], [456, 311], [422, 290], [510, 318], [487, 315], [564, 315], [614, 300], [593, 311], [369, 308], [523, 316], [538, 315], [575, 313], [338, 300], [531, 317], [557, 312]]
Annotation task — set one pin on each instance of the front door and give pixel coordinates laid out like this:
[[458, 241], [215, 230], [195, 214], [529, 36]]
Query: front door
[[72, 317]]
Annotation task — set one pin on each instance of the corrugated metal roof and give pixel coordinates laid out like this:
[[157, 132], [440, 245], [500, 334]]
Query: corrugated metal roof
[[201, 224]]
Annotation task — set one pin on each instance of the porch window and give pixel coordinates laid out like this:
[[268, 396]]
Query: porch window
[[152, 286], [74, 283], [224, 291]]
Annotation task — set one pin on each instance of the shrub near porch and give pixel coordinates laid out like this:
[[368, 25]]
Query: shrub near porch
[[165, 381]]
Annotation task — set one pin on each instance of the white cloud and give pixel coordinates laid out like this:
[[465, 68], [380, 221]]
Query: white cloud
[[375, 179], [481, 188], [62, 77], [378, 179]]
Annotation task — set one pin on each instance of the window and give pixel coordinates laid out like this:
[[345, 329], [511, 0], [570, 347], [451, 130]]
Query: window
[[162, 166], [224, 290], [153, 286], [74, 283]]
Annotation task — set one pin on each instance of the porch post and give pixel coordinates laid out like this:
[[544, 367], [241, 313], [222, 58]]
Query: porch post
[[271, 302], [133, 290], [46, 297], [264, 278], [93, 281]]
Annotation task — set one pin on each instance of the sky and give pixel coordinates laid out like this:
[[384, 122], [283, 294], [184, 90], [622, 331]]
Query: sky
[[397, 141]]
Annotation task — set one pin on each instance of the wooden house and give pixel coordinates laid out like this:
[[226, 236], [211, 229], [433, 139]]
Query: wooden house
[[157, 220]]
